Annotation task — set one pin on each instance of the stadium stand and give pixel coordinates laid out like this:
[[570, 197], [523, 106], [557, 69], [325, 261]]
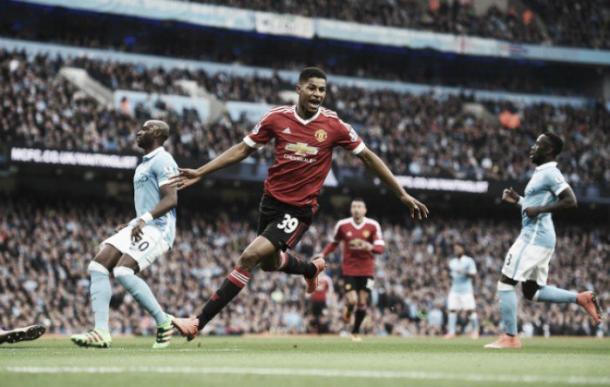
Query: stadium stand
[[430, 136], [574, 23], [532, 69]]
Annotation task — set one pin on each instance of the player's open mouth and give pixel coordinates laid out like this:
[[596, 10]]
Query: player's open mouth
[[314, 104]]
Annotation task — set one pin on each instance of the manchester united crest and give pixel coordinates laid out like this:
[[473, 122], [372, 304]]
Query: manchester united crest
[[366, 233], [321, 135]]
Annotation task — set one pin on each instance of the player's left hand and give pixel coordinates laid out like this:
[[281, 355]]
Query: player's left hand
[[418, 209], [532, 212], [185, 178], [136, 231]]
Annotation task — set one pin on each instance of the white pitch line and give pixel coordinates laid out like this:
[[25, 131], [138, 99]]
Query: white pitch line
[[336, 373], [173, 350]]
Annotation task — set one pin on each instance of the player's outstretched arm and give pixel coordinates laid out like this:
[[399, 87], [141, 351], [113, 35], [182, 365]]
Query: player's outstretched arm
[[567, 199], [375, 164], [169, 200], [233, 155]]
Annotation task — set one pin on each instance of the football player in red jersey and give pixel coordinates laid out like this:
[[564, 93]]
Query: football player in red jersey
[[361, 238], [305, 135], [318, 303]]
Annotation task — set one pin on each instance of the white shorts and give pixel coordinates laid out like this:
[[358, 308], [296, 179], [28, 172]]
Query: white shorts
[[525, 262], [146, 251], [461, 301]]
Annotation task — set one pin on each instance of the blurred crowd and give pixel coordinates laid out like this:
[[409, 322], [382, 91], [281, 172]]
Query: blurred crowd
[[21, 20], [580, 23], [416, 135], [46, 247]]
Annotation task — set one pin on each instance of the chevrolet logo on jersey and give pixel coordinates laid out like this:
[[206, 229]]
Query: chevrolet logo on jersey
[[302, 149]]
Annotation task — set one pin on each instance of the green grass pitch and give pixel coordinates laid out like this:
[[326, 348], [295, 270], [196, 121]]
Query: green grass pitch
[[306, 361]]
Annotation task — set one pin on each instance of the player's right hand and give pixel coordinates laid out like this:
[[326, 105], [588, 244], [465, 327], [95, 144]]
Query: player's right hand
[[185, 178], [509, 195]]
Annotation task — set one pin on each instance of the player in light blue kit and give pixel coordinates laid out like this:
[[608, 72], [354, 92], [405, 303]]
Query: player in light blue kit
[[135, 246], [462, 270], [528, 259]]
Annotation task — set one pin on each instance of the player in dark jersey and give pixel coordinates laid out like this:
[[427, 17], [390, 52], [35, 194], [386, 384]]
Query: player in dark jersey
[[361, 238], [305, 135]]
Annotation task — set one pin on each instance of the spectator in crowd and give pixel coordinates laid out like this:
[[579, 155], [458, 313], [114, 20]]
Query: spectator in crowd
[[415, 134], [582, 23]]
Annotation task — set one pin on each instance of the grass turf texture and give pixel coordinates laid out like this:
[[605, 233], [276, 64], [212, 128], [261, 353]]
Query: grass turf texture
[[301, 361]]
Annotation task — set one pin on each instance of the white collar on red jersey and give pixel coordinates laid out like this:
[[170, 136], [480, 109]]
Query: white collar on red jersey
[[358, 226], [302, 121]]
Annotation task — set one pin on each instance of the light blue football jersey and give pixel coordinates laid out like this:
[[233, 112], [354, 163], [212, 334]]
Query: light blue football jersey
[[460, 269], [544, 187], [155, 170]]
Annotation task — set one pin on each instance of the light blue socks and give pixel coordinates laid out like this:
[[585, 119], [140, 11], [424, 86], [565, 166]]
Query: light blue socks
[[141, 292], [555, 295], [452, 323], [508, 307], [101, 293], [474, 322]]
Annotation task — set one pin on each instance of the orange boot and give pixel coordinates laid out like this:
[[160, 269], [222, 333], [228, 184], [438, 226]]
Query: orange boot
[[505, 341], [589, 302]]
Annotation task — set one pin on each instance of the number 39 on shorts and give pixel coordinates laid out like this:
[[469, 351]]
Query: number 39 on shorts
[[289, 224]]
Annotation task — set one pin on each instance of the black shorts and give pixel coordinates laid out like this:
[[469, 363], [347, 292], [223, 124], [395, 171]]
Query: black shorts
[[357, 283], [281, 223], [317, 308]]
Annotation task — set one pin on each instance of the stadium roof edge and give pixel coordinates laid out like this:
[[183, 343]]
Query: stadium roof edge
[[150, 61], [304, 27]]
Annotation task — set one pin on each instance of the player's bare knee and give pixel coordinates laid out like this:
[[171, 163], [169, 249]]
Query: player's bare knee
[[108, 256], [351, 299], [362, 303], [249, 259], [128, 262]]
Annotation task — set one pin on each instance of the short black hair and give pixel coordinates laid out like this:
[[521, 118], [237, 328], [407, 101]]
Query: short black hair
[[358, 199], [556, 142], [311, 72]]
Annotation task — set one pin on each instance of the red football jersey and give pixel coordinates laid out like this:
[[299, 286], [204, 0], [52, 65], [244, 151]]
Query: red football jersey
[[359, 262], [303, 151]]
